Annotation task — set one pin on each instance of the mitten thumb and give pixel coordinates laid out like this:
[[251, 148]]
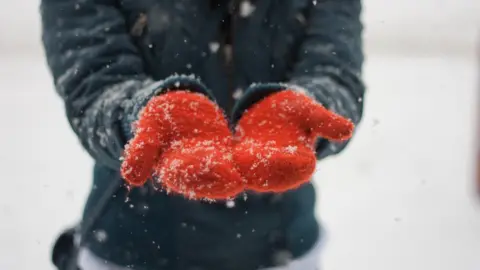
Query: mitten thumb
[[327, 124], [143, 151]]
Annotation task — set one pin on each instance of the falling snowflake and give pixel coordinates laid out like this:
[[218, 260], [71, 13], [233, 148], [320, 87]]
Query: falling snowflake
[[230, 204], [214, 46], [238, 93], [246, 9], [100, 235]]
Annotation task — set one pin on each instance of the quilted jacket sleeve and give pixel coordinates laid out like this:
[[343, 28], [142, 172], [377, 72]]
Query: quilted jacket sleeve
[[330, 62], [99, 73]]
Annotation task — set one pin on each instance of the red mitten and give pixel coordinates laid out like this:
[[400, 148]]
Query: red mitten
[[275, 138], [183, 139]]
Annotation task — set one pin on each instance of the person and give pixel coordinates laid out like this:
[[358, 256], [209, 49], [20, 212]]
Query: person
[[142, 71]]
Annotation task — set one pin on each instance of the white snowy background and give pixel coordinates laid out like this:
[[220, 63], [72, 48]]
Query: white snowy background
[[401, 196]]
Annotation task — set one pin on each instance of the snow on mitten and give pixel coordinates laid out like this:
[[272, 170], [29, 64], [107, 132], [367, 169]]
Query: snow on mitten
[[275, 140], [183, 139]]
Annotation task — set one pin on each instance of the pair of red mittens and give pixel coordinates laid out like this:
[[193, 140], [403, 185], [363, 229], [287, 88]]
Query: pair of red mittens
[[183, 139]]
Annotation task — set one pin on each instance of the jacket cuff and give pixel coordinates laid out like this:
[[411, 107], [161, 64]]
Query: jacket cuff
[[142, 96], [254, 94]]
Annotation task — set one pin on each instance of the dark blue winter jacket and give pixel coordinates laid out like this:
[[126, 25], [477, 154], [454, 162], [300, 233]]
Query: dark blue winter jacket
[[109, 57]]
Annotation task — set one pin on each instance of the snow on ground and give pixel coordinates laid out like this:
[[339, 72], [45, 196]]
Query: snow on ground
[[45, 175], [399, 198]]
